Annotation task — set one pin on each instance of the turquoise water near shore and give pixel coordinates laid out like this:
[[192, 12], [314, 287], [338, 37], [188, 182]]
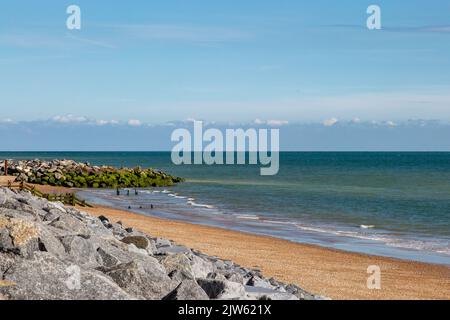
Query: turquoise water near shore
[[392, 204]]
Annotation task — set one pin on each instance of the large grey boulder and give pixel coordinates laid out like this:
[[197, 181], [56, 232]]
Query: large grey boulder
[[256, 281], [26, 235], [106, 259], [47, 278], [222, 289], [5, 194], [133, 249], [142, 282], [13, 208], [187, 290], [97, 228], [6, 261], [50, 216], [234, 277], [216, 276], [6, 243], [81, 250], [118, 230], [201, 267], [178, 266], [19, 236], [299, 292], [258, 293], [174, 249], [162, 243], [71, 225], [140, 242], [49, 243], [113, 249]]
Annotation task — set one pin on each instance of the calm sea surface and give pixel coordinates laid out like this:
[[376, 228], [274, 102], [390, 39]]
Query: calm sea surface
[[392, 204]]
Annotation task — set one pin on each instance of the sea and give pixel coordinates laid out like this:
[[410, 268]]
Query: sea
[[394, 204]]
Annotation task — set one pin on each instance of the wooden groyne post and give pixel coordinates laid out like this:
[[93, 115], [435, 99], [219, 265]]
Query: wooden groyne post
[[66, 198]]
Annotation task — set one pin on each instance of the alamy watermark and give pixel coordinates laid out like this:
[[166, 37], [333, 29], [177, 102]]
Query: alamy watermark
[[374, 280], [374, 20], [73, 282], [73, 22], [234, 146]]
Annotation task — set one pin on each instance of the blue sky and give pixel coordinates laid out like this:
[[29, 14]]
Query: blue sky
[[158, 61], [137, 70]]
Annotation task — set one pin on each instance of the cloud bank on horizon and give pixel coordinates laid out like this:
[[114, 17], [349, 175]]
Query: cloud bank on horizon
[[73, 133]]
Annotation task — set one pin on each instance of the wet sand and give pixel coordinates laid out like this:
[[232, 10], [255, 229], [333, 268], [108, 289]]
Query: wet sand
[[332, 273]]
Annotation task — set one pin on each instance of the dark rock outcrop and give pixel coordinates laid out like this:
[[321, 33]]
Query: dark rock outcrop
[[68, 173]]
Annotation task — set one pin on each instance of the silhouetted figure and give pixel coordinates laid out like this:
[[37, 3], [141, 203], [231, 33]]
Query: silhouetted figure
[[135, 192], [151, 206], [128, 192], [129, 207], [118, 191]]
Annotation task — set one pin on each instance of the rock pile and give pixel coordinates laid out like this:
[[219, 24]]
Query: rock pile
[[68, 173], [48, 251]]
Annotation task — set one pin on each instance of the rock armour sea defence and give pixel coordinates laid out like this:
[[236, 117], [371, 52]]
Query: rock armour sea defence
[[49, 251], [68, 173]]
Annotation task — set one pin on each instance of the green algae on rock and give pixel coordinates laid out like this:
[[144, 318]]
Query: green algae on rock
[[68, 173]]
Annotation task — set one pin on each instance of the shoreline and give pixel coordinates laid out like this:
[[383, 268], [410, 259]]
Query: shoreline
[[378, 241], [324, 271]]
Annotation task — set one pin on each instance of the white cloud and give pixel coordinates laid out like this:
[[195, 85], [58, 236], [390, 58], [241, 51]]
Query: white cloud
[[102, 122], [330, 122], [272, 122], [388, 123], [105, 122], [69, 119], [277, 123], [134, 123], [391, 124], [192, 120]]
